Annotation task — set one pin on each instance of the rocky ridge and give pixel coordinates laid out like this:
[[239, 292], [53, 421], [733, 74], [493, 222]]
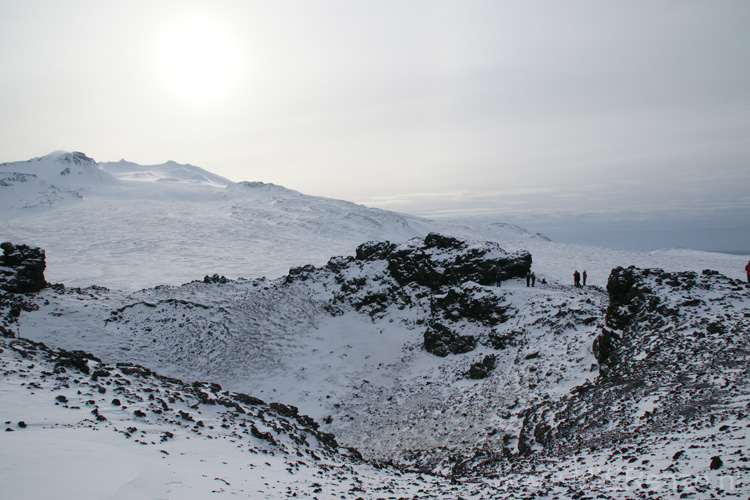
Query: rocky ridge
[[669, 410]]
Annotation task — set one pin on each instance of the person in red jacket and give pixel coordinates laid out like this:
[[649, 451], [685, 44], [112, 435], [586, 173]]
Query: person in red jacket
[[747, 269]]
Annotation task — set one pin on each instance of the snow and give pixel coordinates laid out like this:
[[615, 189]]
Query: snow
[[148, 232], [131, 234]]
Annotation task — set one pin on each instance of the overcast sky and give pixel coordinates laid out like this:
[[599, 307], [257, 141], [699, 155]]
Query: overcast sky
[[624, 123]]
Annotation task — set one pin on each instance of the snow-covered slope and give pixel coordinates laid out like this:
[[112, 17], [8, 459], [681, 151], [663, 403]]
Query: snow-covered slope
[[186, 223], [78, 428], [73, 170], [166, 172], [21, 194]]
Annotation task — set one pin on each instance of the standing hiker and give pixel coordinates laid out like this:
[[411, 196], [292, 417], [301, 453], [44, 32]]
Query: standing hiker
[[528, 277], [584, 277], [533, 279], [577, 279], [747, 269]]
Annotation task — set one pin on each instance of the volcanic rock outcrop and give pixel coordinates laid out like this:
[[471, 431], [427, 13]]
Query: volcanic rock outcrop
[[21, 272]]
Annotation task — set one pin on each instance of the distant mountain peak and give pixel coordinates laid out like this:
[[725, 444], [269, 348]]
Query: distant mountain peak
[[169, 171], [77, 158], [73, 169]]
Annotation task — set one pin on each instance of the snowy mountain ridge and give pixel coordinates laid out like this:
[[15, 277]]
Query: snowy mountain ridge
[[131, 234], [170, 171], [183, 228], [74, 170]]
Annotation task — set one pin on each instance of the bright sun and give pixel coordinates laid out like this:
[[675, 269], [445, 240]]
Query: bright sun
[[199, 59]]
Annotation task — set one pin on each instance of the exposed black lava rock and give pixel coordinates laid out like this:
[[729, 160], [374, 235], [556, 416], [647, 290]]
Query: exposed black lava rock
[[603, 345], [76, 359], [441, 341], [501, 341], [214, 279], [22, 268], [443, 260], [446, 275], [668, 338], [482, 369], [470, 303]]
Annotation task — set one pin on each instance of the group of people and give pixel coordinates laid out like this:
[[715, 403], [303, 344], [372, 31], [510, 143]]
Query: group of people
[[577, 278], [530, 278]]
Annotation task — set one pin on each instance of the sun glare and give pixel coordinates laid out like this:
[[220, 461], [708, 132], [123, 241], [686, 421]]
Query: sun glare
[[199, 59]]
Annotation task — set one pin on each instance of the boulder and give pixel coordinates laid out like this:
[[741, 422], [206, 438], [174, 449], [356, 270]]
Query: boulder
[[22, 268]]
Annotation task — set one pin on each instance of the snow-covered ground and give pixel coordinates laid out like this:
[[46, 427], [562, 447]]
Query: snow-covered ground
[[126, 226], [343, 342]]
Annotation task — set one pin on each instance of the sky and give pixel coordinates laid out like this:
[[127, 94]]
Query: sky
[[624, 123]]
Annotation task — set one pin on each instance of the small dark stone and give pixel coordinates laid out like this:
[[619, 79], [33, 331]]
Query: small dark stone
[[22, 424], [116, 402], [716, 463]]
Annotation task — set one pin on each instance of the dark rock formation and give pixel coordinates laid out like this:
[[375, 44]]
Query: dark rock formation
[[452, 273], [22, 268], [668, 338], [441, 341], [443, 260], [470, 303], [214, 279], [482, 369]]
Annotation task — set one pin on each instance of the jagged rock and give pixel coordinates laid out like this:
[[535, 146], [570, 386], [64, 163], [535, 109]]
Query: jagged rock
[[442, 260], [658, 347], [603, 345], [248, 400], [716, 463], [441, 341], [76, 359], [214, 279], [482, 369], [622, 296], [262, 435], [22, 268], [285, 410], [473, 304], [374, 250], [501, 341]]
